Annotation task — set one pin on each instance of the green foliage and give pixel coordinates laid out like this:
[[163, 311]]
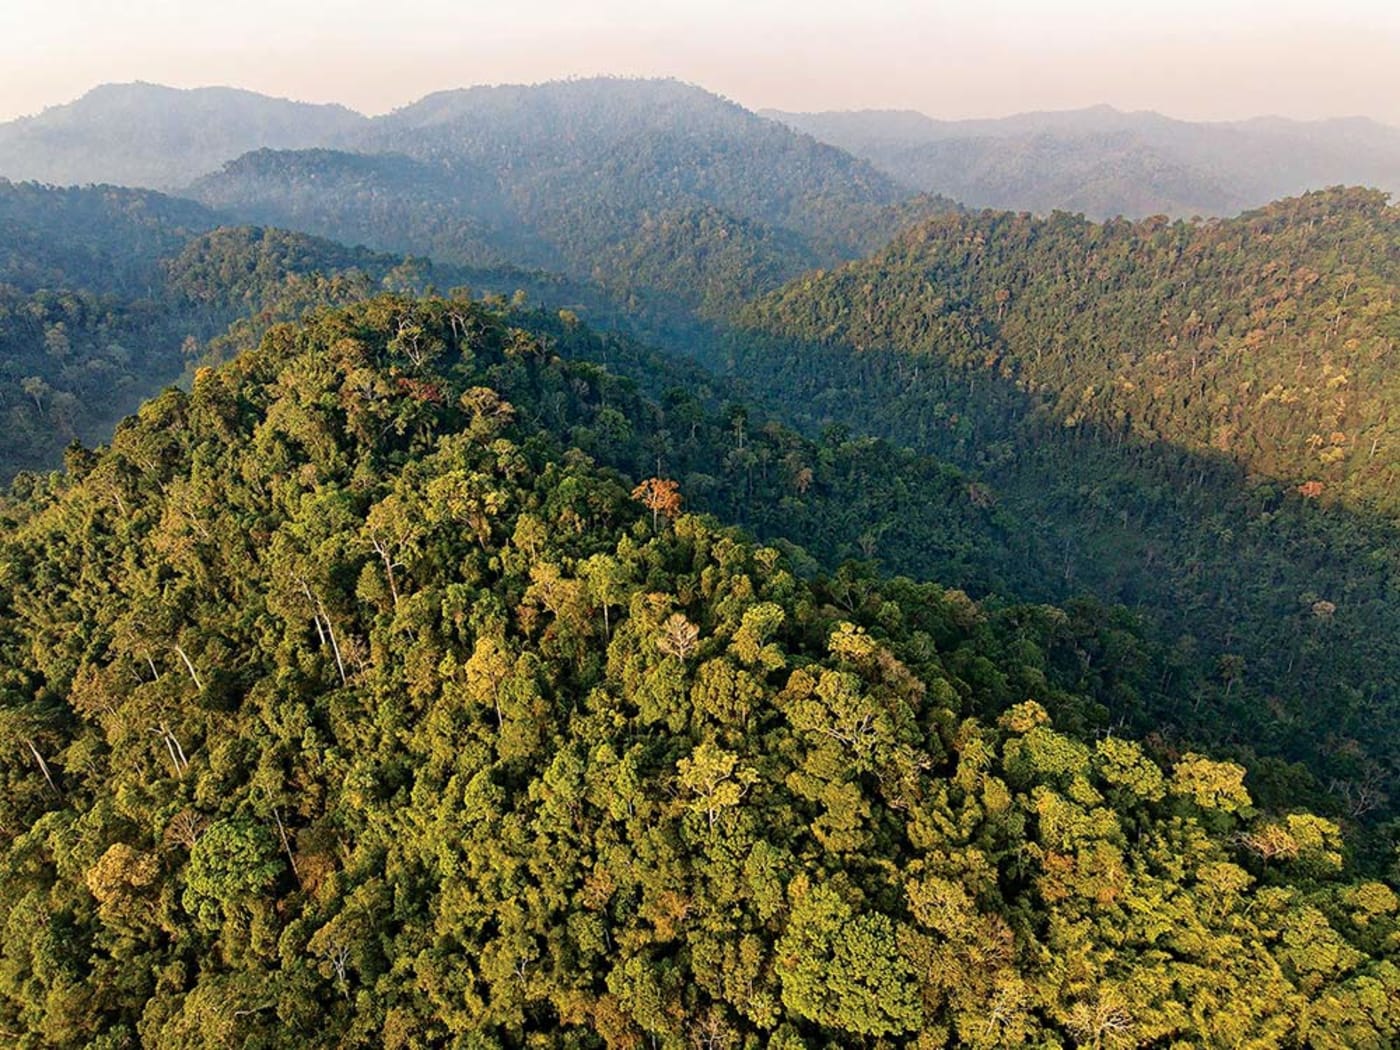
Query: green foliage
[[844, 971], [231, 862], [351, 701], [1267, 339], [108, 295], [454, 213], [1193, 420]]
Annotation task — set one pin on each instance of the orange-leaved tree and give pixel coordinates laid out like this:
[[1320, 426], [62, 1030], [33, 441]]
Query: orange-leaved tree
[[660, 496]]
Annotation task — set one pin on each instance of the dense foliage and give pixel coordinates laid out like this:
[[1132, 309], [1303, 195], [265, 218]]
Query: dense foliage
[[1270, 338], [107, 295], [1093, 378], [348, 702], [106, 239], [83, 338], [403, 680]]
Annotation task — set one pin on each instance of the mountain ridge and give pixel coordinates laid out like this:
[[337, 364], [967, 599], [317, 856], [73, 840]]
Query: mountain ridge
[[1074, 116], [679, 201], [158, 137], [1104, 161]]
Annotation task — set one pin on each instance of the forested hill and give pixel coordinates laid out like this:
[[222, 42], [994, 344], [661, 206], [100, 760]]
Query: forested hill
[[1198, 421], [87, 327], [159, 137], [675, 200], [109, 294], [455, 213], [104, 238], [1270, 339], [372, 712], [640, 143]]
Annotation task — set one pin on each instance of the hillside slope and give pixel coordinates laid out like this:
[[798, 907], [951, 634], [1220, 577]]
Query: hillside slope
[[109, 294], [1200, 419], [104, 238], [1270, 339], [373, 714], [453, 213]]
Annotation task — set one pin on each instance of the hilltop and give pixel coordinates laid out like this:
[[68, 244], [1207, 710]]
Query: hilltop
[[372, 704]]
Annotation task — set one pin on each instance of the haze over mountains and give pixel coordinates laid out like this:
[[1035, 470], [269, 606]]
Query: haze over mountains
[[156, 137], [674, 202], [1104, 162], [1099, 161], [649, 188]]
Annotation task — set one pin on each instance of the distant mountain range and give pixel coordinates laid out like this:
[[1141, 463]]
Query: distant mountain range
[[674, 200], [158, 137], [516, 146], [662, 193], [1104, 162]]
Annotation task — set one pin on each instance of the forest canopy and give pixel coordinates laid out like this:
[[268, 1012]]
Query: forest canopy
[[372, 710]]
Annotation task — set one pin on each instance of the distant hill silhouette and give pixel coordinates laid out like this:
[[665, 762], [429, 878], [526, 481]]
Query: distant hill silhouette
[[1105, 162], [158, 137]]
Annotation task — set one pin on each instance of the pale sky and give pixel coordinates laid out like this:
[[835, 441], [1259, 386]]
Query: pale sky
[[1195, 59]]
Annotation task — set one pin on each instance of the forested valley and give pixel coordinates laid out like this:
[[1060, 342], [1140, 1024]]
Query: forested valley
[[107, 295], [586, 566]]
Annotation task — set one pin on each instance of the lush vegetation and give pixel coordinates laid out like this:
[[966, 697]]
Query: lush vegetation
[[403, 677], [1270, 339], [348, 700], [104, 238], [107, 295], [82, 337], [1195, 421]]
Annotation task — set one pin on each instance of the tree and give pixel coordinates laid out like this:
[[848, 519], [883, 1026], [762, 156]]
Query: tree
[[234, 863], [609, 583], [22, 727], [392, 532], [661, 496], [843, 969], [679, 637], [710, 775], [36, 388]]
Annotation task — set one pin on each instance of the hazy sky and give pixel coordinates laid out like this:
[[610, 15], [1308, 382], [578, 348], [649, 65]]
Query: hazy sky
[[1189, 58]]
